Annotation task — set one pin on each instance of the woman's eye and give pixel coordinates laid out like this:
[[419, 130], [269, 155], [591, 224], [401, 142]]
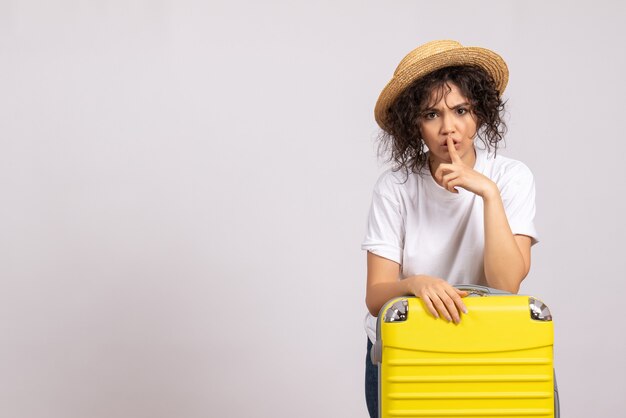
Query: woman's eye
[[430, 115], [461, 111]]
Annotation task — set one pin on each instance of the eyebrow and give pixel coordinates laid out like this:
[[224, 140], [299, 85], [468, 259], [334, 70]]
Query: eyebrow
[[430, 109]]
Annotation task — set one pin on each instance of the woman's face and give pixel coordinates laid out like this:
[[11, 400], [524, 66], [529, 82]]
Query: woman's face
[[452, 117]]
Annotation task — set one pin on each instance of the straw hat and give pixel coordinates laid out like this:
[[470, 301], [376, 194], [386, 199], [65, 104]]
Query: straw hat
[[432, 56]]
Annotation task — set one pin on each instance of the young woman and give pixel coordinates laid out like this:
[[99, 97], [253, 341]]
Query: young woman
[[450, 211]]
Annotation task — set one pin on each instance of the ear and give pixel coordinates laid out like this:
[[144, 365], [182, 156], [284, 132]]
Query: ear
[[475, 135], [420, 139], [479, 124], [477, 119]]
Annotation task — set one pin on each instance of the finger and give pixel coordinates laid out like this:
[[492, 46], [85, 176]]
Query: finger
[[430, 306], [442, 169], [456, 297], [454, 156], [448, 179], [441, 307], [452, 184], [451, 307]]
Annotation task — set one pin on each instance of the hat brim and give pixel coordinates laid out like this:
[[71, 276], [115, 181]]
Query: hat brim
[[488, 60]]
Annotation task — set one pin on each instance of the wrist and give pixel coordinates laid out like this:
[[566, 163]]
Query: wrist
[[407, 285], [491, 192], [413, 283]]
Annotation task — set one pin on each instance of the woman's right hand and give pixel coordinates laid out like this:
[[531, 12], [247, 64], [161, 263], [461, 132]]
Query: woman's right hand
[[384, 283], [439, 296]]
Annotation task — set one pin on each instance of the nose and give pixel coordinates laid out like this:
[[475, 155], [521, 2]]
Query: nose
[[447, 124]]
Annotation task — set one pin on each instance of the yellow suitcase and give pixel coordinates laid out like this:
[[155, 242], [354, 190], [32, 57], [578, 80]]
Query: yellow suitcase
[[496, 363]]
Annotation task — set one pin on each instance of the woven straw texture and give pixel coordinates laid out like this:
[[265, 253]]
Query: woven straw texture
[[433, 56]]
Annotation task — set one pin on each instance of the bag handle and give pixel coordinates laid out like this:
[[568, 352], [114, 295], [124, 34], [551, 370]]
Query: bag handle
[[478, 290]]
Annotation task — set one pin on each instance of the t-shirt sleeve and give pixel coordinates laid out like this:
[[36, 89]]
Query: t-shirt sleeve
[[518, 197], [385, 225]]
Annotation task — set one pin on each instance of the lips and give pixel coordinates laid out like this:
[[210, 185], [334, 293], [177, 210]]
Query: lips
[[456, 143]]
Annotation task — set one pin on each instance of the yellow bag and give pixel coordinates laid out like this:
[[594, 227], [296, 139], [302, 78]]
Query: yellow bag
[[498, 362]]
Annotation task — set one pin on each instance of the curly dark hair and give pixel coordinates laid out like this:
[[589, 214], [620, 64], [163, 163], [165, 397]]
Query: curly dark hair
[[402, 140]]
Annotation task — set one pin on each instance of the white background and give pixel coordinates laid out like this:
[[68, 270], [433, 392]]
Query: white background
[[184, 187]]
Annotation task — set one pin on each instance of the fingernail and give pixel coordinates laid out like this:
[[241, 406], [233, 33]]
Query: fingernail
[[464, 310]]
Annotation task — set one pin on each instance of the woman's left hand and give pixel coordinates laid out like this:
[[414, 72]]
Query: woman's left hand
[[458, 174]]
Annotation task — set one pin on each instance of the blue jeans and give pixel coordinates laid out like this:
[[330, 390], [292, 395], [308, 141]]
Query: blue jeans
[[371, 383]]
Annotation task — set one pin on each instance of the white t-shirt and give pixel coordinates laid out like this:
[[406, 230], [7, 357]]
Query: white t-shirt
[[428, 230]]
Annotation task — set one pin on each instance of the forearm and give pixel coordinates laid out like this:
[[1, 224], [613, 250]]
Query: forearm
[[505, 267], [439, 297], [378, 294]]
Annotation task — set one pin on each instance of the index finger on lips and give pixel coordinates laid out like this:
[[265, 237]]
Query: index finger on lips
[[454, 156]]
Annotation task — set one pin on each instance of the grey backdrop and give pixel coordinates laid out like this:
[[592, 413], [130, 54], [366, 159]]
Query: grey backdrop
[[184, 186]]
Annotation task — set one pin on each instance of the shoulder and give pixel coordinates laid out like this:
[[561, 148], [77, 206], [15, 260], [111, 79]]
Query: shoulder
[[397, 188], [505, 169], [391, 182], [513, 178]]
